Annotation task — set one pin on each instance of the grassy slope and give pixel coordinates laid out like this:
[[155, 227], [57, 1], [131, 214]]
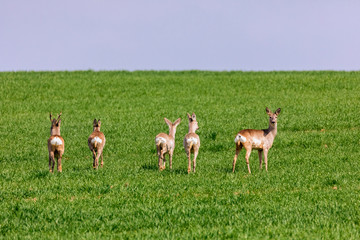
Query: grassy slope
[[311, 190]]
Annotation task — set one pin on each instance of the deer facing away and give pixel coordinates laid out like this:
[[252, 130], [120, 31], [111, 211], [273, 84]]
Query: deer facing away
[[56, 144], [260, 140], [96, 142], [192, 141], [165, 143]]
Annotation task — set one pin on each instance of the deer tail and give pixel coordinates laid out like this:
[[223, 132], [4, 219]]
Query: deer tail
[[159, 141], [191, 145]]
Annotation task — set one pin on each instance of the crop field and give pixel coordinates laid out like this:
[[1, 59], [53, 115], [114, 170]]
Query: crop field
[[311, 189]]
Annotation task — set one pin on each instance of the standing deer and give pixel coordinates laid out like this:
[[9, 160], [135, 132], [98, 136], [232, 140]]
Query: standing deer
[[260, 140], [166, 143], [96, 142], [192, 141], [56, 144]]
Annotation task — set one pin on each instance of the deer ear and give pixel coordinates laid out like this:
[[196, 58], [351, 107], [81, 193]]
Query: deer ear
[[189, 116], [50, 117], [193, 116], [58, 118], [168, 122], [95, 122], [99, 122], [177, 122], [268, 111], [58, 122], [278, 111]]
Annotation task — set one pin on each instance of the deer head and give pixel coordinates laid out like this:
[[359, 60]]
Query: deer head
[[273, 116], [55, 124], [193, 124], [96, 125]]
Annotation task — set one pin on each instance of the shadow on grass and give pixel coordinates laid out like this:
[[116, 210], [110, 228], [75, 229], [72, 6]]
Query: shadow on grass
[[148, 166], [44, 173], [40, 174], [228, 169], [180, 171], [154, 167]]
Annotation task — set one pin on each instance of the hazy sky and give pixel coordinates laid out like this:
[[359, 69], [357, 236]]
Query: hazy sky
[[179, 35]]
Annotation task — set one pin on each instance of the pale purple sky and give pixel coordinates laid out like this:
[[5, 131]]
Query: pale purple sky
[[219, 35]]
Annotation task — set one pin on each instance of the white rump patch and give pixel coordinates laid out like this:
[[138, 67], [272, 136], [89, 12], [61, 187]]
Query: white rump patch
[[159, 140], [192, 139], [56, 141], [240, 138], [96, 139]]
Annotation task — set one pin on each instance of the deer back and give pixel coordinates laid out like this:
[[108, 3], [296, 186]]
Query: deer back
[[192, 139], [259, 139], [165, 140], [97, 138], [55, 141], [168, 140]]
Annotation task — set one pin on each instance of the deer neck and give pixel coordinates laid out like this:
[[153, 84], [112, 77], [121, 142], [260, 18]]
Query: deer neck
[[96, 129], [172, 132], [55, 131], [192, 128], [271, 131]]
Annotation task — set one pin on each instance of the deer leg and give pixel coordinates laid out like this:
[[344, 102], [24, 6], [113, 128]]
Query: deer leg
[[51, 162], [266, 159], [238, 149], [160, 162], [194, 162], [94, 158], [190, 147], [59, 168], [260, 158], [247, 156], [99, 154], [189, 161], [96, 155], [170, 159], [159, 156], [102, 160], [97, 160], [162, 166], [164, 162]]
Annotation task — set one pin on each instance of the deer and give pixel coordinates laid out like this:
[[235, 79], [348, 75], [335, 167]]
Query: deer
[[165, 143], [261, 140], [192, 141], [96, 143], [56, 144]]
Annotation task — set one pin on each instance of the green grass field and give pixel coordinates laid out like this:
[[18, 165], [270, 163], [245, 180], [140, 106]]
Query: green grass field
[[311, 191]]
